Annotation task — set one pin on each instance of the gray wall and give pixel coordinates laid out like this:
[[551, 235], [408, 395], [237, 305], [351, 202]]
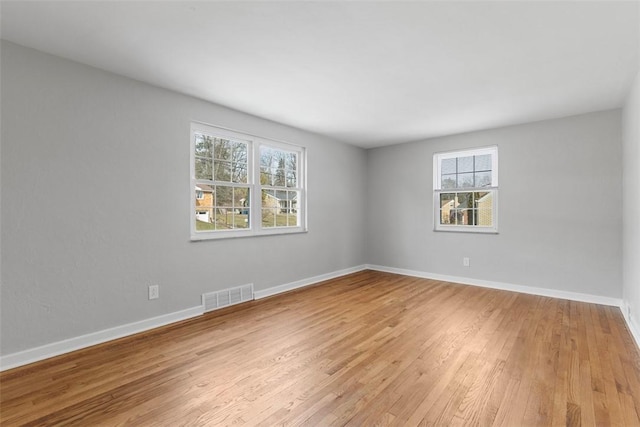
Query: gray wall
[[95, 203], [631, 205], [559, 205]]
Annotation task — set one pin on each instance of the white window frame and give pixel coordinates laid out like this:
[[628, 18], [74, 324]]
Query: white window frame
[[253, 182], [438, 190]]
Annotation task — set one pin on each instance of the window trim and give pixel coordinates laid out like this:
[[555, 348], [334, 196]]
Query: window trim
[[253, 183], [438, 190]]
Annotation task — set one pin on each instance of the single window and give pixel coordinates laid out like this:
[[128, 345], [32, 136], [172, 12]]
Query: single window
[[244, 185], [465, 187]]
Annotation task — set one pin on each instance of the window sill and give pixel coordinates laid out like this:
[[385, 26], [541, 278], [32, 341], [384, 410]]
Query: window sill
[[467, 230], [223, 235]]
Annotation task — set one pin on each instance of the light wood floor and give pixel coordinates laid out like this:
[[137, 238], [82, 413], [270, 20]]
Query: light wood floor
[[366, 349]]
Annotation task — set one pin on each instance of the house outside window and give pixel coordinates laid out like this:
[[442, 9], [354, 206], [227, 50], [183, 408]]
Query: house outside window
[[244, 185], [465, 187]]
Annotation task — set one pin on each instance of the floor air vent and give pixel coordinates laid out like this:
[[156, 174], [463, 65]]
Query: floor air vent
[[227, 297]]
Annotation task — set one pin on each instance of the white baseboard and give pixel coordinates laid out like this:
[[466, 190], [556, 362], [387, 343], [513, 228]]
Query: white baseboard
[[631, 323], [634, 327], [635, 330], [61, 347], [574, 296], [306, 282], [46, 351]]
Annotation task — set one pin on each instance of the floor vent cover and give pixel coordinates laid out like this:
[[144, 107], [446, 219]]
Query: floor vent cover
[[227, 297]]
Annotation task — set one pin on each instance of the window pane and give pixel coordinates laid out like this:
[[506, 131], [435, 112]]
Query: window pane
[[483, 163], [483, 179], [291, 205], [202, 145], [281, 219], [465, 180], [278, 168], [204, 221], [269, 217], [240, 197], [279, 158], [291, 162], [482, 199], [271, 158], [239, 153], [448, 166], [447, 198], [223, 218], [485, 217], [465, 200], [222, 149], [291, 179], [484, 203], [222, 171], [203, 168], [239, 172], [240, 220], [269, 199], [465, 164], [224, 196], [472, 215], [292, 220], [267, 156], [266, 178], [279, 178], [272, 167], [204, 208], [467, 217], [204, 195], [447, 203], [456, 217], [448, 181]]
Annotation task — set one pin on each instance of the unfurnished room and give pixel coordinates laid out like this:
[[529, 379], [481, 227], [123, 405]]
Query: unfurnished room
[[340, 213]]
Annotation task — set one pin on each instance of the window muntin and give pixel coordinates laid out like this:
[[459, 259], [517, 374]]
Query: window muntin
[[233, 195], [466, 190]]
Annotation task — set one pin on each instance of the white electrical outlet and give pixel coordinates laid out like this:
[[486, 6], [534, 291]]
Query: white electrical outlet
[[465, 261], [154, 291]]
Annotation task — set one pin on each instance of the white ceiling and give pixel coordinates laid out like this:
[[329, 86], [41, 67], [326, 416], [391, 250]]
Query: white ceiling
[[367, 73]]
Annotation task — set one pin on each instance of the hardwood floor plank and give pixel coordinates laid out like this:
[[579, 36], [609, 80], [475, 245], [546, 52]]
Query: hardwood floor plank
[[369, 348]]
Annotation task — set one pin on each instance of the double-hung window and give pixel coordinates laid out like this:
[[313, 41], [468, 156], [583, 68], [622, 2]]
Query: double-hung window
[[244, 185], [465, 187]]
